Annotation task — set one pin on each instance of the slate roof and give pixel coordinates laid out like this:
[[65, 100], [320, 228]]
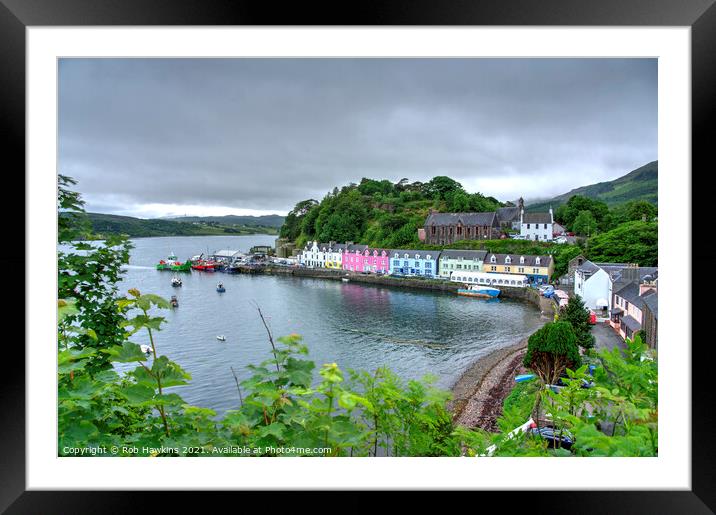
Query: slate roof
[[631, 323], [484, 219], [537, 218], [464, 254], [353, 247], [434, 254], [652, 302], [515, 259], [630, 293], [588, 267], [508, 214]]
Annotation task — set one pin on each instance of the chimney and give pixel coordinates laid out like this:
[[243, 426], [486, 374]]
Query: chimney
[[630, 273]]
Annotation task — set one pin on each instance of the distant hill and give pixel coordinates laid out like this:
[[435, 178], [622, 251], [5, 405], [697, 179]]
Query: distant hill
[[639, 184], [103, 224], [249, 221]]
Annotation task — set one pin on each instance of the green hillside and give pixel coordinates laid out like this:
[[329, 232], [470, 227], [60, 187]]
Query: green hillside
[[229, 220], [104, 224], [639, 184], [378, 212]]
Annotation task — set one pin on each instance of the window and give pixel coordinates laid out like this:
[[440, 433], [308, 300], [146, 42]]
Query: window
[[428, 264], [522, 260], [507, 269], [493, 268], [528, 226], [535, 270], [545, 226], [521, 269], [428, 256], [459, 267], [493, 259], [537, 261]]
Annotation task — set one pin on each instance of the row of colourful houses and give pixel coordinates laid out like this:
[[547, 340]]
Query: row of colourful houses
[[423, 263]]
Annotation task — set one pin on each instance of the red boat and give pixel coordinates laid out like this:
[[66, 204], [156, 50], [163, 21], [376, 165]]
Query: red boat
[[205, 266]]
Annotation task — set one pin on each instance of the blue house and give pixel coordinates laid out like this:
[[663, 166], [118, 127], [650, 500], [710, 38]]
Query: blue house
[[414, 262]]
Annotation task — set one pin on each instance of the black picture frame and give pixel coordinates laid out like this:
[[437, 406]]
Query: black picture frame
[[16, 15]]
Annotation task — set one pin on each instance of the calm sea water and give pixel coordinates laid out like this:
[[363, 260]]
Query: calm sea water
[[357, 326]]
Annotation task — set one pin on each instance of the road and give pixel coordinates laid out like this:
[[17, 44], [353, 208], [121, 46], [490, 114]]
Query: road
[[606, 337]]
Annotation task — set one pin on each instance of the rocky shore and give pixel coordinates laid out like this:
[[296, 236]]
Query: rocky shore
[[481, 390]]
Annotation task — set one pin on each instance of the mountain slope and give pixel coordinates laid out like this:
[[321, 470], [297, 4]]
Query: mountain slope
[[639, 184]]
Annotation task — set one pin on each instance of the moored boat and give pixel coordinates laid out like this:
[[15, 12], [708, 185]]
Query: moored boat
[[174, 302], [475, 290], [220, 288], [176, 281]]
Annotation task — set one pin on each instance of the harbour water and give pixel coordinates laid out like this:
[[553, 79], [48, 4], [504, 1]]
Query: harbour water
[[357, 326]]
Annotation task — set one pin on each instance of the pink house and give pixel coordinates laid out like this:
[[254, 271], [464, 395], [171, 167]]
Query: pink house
[[353, 257], [360, 258], [376, 261]]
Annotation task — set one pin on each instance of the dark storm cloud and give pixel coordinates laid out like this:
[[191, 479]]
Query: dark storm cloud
[[263, 134]]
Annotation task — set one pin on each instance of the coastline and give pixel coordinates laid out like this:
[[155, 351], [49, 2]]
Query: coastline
[[480, 391]]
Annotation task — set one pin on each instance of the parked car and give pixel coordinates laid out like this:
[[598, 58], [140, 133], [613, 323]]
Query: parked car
[[555, 439], [544, 290]]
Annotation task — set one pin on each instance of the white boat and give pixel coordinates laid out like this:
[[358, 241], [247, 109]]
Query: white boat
[[475, 290], [345, 279], [146, 349], [176, 281], [221, 338]]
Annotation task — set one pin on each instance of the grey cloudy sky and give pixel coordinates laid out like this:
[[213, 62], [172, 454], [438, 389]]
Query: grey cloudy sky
[[156, 137]]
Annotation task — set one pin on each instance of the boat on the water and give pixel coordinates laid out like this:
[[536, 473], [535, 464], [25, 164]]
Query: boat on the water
[[476, 290], [221, 338], [205, 265], [172, 263], [176, 281], [146, 349], [220, 288], [174, 302]]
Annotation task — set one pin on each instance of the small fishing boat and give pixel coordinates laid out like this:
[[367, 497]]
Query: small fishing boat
[[176, 281], [220, 288], [345, 279], [174, 302], [172, 263], [146, 349], [221, 338], [524, 377], [475, 290]]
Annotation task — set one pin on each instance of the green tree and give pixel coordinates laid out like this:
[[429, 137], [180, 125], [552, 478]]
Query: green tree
[[631, 242], [585, 223], [440, 186], [578, 316], [568, 213], [87, 274], [635, 210], [551, 350]]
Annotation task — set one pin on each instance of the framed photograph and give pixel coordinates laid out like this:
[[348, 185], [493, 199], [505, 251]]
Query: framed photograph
[[409, 249]]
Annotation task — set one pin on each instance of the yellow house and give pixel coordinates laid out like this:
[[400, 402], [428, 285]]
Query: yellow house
[[537, 268]]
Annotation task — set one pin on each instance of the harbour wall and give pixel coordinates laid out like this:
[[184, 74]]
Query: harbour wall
[[525, 294]]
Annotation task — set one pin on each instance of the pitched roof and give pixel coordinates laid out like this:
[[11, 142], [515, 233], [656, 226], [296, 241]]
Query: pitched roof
[[515, 259], [588, 266], [630, 293], [489, 218], [434, 254], [537, 218], [631, 323], [508, 214], [353, 247], [652, 302], [465, 254]]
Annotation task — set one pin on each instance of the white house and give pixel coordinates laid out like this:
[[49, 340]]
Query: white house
[[313, 255], [537, 226], [596, 283]]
